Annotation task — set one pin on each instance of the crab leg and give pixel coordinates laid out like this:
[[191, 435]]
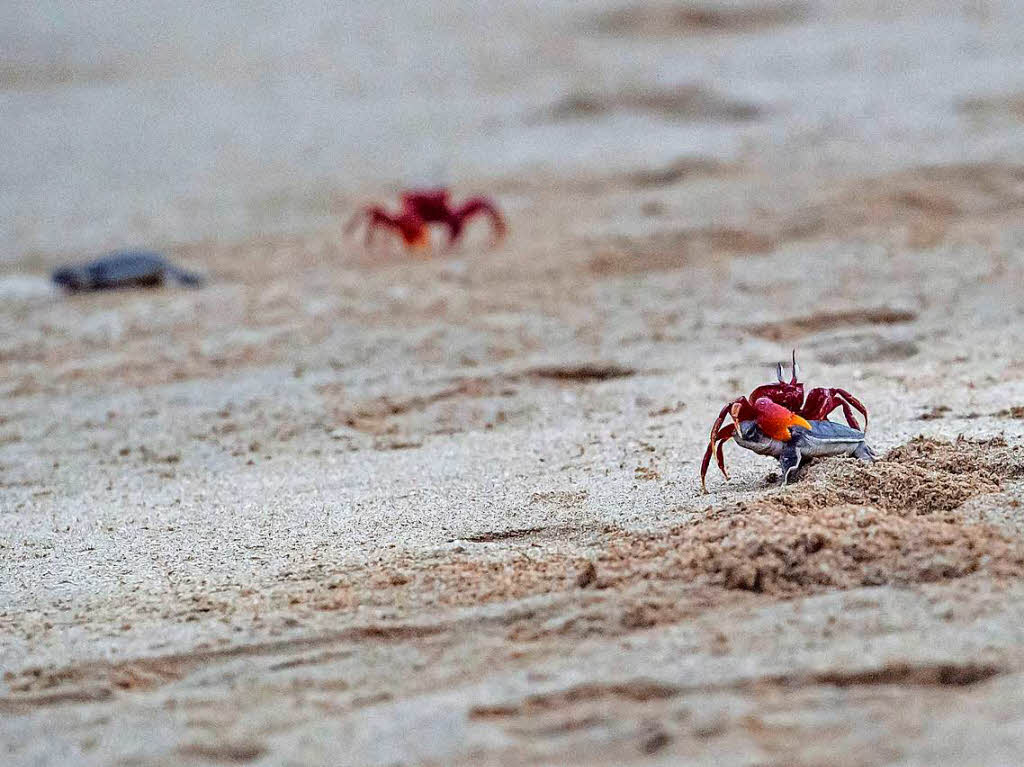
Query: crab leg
[[724, 436], [821, 402], [472, 207], [847, 400], [721, 416], [375, 218], [715, 447]]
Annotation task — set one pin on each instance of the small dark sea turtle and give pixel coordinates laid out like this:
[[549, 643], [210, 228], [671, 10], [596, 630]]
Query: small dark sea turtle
[[123, 269], [814, 439]]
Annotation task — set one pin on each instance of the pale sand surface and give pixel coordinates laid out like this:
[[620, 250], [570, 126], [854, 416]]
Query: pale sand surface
[[356, 507]]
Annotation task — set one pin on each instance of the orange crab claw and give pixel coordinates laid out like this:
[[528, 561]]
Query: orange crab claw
[[775, 420], [420, 241]]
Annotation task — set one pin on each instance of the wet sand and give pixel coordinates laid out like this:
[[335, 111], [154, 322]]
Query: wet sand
[[351, 506]]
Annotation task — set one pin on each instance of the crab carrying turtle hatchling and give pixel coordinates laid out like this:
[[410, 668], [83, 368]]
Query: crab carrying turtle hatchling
[[777, 419]]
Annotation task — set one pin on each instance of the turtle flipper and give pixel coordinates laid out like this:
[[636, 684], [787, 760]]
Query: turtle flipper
[[865, 453], [789, 461], [192, 279]]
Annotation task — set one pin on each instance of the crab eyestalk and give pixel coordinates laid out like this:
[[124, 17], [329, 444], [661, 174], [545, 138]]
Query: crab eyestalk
[[795, 372]]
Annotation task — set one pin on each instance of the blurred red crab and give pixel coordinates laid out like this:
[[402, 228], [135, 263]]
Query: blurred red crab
[[422, 207]]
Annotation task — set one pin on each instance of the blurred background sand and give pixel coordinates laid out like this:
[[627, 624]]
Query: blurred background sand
[[351, 506]]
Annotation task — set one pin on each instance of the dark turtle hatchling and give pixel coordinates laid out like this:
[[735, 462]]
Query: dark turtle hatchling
[[819, 439], [123, 269]]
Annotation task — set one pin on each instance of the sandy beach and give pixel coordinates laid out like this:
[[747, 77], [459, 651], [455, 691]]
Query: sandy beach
[[358, 506]]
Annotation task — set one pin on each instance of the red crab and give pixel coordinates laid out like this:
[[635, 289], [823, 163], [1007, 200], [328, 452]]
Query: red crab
[[422, 207], [790, 395]]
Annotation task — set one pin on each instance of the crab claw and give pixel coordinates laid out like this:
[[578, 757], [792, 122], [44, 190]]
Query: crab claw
[[796, 369], [418, 241], [775, 420]]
